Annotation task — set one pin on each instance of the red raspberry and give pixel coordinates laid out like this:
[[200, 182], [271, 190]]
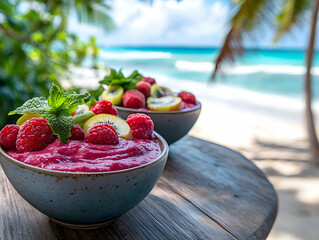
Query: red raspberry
[[133, 99], [187, 97], [142, 125], [103, 106], [77, 133], [8, 136], [102, 133], [144, 88], [149, 80], [34, 135]]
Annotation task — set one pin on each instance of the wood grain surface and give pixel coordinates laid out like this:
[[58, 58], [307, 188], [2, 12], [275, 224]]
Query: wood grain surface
[[205, 192]]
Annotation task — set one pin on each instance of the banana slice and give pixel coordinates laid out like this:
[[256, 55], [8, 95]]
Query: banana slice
[[113, 94], [26, 117], [168, 103], [120, 126]]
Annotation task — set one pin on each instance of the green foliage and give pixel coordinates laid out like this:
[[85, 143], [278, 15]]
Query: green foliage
[[36, 105], [291, 14], [36, 48], [117, 78], [57, 109], [252, 15]]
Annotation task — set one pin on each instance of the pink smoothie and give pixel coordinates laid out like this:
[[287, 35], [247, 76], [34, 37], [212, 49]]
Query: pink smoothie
[[80, 156]]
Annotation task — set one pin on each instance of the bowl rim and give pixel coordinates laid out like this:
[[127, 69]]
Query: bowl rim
[[187, 110], [162, 142]]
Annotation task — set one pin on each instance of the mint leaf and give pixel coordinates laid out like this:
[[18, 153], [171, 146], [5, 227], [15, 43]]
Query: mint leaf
[[91, 102], [61, 125], [96, 93], [60, 100], [119, 79], [57, 109], [37, 105], [130, 86]]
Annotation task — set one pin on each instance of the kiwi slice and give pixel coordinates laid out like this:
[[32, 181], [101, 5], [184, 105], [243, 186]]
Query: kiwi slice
[[120, 126], [82, 118], [157, 91], [26, 117], [113, 94], [168, 103]]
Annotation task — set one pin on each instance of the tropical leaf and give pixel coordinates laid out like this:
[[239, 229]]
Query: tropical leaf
[[94, 12], [291, 14], [249, 15]]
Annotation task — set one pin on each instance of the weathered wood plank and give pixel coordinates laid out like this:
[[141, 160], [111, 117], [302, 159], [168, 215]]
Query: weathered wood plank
[[18, 219], [154, 218], [224, 185]]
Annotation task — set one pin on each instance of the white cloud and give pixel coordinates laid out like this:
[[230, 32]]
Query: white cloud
[[186, 22], [168, 22], [171, 22]]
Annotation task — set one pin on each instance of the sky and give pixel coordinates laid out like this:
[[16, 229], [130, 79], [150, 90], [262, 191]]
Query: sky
[[179, 23]]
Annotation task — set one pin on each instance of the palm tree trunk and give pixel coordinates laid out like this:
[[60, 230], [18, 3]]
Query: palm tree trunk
[[314, 145]]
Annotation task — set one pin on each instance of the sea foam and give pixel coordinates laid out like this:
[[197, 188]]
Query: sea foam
[[207, 67]]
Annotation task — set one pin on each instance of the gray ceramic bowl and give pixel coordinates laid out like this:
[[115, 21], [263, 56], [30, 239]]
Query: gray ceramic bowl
[[84, 200], [172, 125]]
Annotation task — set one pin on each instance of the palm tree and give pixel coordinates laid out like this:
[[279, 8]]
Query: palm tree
[[253, 14]]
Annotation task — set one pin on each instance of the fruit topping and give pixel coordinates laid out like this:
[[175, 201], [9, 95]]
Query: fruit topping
[[120, 126], [145, 88], [81, 109], [35, 134], [157, 91], [187, 97], [77, 133], [57, 109], [168, 103], [8, 136], [81, 119], [102, 133], [113, 94], [103, 106], [133, 99], [26, 117], [142, 125], [149, 80]]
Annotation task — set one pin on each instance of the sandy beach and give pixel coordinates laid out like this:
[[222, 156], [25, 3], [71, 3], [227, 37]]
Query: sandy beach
[[267, 129]]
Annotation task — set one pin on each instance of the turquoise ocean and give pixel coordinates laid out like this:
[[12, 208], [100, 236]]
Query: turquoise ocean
[[278, 72]]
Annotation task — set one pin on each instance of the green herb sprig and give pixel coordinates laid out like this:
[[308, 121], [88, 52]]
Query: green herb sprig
[[117, 78], [57, 109]]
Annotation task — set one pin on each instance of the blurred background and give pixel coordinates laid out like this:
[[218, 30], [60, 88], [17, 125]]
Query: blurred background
[[257, 102]]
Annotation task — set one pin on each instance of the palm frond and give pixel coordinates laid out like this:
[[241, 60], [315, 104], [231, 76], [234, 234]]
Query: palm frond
[[249, 15], [291, 13], [232, 46], [94, 12]]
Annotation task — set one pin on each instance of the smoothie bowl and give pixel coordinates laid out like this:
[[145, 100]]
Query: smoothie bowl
[[172, 125], [174, 114], [90, 180]]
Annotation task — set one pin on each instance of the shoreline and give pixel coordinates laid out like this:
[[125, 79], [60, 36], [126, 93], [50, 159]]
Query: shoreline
[[263, 103]]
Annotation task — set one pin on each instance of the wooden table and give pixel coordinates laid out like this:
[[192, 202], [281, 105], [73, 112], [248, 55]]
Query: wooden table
[[205, 192]]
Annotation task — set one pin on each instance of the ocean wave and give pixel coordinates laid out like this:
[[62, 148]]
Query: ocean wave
[[207, 67], [135, 55]]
